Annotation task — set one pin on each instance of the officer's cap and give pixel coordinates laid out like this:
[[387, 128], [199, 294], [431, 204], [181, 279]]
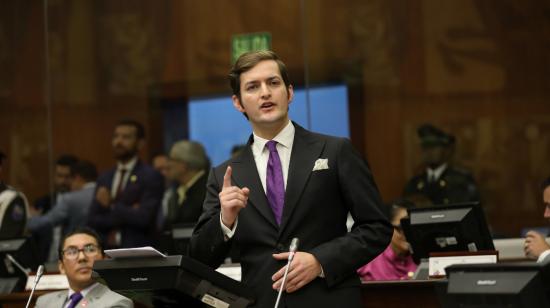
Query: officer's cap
[[432, 136]]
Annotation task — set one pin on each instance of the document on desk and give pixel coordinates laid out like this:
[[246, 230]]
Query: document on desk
[[138, 252]]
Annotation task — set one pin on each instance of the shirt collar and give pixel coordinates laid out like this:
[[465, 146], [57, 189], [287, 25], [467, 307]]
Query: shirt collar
[[129, 165], [437, 172], [285, 138], [84, 292]]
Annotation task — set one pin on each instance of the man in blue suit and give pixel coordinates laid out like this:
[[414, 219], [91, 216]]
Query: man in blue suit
[[71, 209], [289, 182], [128, 196]]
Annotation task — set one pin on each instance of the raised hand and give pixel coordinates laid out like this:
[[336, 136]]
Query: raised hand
[[232, 199]]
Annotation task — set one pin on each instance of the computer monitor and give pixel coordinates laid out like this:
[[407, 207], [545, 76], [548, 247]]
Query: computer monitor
[[447, 228], [17, 250], [518, 285]]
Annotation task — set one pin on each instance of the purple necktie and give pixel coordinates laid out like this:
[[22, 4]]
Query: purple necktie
[[75, 298], [275, 182]]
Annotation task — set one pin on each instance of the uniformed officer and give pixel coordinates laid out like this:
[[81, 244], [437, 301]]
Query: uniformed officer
[[441, 182]]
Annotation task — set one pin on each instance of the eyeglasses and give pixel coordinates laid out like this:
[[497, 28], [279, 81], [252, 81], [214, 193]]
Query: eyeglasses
[[398, 228], [72, 252]]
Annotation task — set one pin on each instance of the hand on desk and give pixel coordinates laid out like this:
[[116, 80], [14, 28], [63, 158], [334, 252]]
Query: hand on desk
[[232, 199], [303, 269], [535, 244]]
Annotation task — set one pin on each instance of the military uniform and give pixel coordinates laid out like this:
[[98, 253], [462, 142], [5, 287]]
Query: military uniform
[[448, 184], [453, 186]]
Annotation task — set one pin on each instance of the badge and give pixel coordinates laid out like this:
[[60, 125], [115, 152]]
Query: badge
[[133, 178], [420, 185], [442, 183]]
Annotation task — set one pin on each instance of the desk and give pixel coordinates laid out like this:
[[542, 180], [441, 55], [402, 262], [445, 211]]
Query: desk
[[19, 299], [390, 294], [383, 294]]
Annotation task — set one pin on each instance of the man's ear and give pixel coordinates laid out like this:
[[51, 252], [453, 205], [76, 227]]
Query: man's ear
[[237, 103], [61, 266], [290, 91]]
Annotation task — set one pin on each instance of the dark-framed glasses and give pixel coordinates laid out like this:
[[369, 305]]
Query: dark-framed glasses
[[72, 252], [398, 228]]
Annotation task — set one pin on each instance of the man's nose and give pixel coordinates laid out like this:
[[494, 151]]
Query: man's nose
[[82, 255], [265, 91]]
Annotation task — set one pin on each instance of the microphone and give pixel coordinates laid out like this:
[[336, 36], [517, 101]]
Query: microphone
[[39, 273], [26, 271], [291, 252]]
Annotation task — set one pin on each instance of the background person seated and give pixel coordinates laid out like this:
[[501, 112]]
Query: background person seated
[[536, 246], [396, 262], [78, 251]]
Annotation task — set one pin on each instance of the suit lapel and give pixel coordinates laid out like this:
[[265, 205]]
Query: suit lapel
[[94, 294], [305, 151], [62, 298], [245, 174]]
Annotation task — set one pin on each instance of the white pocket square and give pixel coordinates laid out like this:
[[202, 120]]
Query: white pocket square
[[320, 164]]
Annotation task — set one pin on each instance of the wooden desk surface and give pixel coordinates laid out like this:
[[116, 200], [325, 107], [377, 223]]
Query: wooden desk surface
[[19, 299], [407, 293]]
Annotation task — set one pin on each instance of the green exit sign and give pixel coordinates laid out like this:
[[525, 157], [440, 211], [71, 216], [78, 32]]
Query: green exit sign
[[242, 43]]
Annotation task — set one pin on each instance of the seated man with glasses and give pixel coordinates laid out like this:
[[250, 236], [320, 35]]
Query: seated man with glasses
[[78, 251]]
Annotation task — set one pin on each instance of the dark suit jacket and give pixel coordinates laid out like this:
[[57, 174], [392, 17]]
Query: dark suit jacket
[[136, 225], [190, 210], [315, 211]]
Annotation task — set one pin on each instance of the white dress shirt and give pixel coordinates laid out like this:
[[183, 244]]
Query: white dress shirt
[[129, 166], [435, 174], [543, 256], [285, 140]]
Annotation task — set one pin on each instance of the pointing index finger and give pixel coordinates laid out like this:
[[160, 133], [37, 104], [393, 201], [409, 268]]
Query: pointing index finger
[[227, 177]]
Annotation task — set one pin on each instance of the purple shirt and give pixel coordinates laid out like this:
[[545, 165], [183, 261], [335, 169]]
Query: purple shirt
[[388, 266]]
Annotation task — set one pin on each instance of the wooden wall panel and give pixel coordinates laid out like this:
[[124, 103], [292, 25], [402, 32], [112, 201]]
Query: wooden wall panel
[[476, 68]]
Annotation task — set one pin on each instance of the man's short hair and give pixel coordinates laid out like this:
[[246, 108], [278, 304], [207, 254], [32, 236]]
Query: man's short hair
[[66, 160], [247, 61], [79, 230], [140, 130], [545, 184], [191, 153], [85, 169]]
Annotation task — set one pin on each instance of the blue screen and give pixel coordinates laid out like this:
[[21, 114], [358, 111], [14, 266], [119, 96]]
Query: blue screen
[[214, 122]]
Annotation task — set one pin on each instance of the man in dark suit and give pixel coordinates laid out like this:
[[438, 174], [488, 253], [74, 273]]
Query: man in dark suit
[[440, 181], [289, 182], [47, 239], [186, 169], [127, 197]]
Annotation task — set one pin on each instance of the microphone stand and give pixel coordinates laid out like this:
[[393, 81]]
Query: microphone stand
[[292, 252], [26, 271], [39, 273]]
